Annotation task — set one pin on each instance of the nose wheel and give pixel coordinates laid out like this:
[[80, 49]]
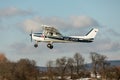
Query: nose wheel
[[50, 46], [35, 45]]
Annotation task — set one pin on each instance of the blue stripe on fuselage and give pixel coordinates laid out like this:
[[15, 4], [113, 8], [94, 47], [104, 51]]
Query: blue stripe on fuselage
[[71, 39]]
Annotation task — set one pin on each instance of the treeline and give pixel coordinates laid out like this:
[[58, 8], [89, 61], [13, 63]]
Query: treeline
[[75, 68], [23, 69], [61, 69]]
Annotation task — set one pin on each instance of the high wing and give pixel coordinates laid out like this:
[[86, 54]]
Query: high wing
[[51, 32]]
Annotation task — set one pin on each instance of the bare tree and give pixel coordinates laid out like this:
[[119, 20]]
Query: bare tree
[[50, 70], [102, 65], [79, 61], [94, 58], [3, 58], [5, 67], [22, 70], [70, 65], [99, 64], [61, 65], [25, 70], [113, 73]]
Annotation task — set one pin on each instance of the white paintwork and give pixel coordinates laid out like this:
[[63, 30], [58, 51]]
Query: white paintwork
[[41, 38]]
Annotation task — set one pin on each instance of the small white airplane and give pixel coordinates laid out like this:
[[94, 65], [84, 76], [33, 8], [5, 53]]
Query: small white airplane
[[52, 35]]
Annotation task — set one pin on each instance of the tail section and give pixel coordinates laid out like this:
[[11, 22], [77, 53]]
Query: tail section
[[92, 33]]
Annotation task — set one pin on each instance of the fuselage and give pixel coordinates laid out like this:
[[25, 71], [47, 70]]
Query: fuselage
[[62, 39], [52, 35]]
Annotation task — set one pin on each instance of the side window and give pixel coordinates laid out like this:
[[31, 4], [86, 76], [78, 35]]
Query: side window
[[51, 34]]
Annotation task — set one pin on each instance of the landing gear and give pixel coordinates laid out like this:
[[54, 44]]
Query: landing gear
[[50, 46], [35, 45]]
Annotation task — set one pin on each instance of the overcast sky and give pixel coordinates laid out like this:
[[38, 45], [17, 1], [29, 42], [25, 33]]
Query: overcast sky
[[19, 17]]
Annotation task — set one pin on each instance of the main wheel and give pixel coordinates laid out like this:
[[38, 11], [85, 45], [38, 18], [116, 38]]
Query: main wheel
[[50, 46], [35, 45]]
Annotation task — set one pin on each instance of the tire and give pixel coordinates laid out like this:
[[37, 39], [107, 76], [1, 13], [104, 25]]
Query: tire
[[50, 46]]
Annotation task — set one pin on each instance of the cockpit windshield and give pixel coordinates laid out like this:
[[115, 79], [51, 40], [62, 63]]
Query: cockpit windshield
[[38, 34]]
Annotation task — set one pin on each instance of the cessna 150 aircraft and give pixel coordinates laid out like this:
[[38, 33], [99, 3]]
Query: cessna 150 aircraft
[[52, 35]]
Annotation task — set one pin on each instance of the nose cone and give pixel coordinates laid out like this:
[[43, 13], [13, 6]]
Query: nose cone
[[31, 37], [30, 34]]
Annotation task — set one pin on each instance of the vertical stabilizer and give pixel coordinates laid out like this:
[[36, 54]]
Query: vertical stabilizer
[[92, 33]]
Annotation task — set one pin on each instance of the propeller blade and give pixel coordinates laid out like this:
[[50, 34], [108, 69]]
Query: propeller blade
[[31, 35]]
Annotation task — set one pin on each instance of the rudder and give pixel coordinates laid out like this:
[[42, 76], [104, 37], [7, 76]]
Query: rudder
[[92, 33]]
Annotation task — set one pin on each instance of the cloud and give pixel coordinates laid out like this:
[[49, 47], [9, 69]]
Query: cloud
[[21, 48], [13, 11], [24, 48], [1, 25], [36, 22], [105, 45], [29, 25], [83, 21], [73, 22], [113, 32]]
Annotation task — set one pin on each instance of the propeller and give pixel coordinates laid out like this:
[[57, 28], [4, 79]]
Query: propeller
[[31, 35]]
